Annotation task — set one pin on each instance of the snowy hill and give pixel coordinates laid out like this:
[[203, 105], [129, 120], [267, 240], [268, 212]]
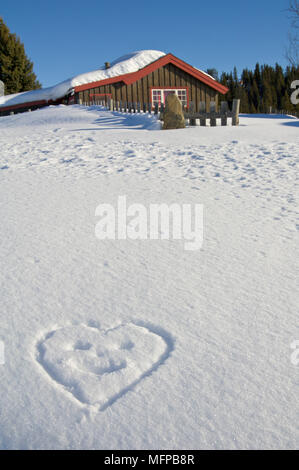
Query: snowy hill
[[135, 344]]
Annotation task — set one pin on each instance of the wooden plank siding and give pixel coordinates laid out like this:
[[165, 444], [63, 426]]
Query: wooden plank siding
[[139, 91]]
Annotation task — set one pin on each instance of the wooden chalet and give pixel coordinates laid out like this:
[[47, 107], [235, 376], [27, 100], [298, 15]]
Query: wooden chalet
[[150, 85], [153, 83]]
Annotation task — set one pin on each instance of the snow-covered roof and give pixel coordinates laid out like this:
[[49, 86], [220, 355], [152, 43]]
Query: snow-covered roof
[[207, 74], [126, 64]]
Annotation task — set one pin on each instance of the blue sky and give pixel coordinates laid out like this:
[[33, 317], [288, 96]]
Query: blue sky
[[64, 38]]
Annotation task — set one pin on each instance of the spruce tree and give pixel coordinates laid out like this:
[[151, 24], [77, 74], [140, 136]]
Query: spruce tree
[[16, 70], [261, 89], [267, 100]]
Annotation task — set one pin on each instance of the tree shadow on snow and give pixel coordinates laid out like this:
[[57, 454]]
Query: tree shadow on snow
[[269, 116], [124, 121], [293, 123]]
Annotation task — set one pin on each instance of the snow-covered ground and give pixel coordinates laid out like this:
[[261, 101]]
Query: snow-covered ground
[[132, 344]]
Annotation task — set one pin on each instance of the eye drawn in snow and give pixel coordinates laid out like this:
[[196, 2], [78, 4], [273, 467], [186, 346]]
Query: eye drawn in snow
[[97, 366]]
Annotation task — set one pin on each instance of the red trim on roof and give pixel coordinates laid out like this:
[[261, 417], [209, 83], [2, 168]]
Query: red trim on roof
[[29, 104], [23, 105], [130, 78]]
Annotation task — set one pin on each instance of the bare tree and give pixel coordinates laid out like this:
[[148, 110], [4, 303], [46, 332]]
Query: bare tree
[[292, 53]]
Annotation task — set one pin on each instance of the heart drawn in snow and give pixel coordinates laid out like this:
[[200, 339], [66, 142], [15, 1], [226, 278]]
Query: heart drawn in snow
[[98, 367]]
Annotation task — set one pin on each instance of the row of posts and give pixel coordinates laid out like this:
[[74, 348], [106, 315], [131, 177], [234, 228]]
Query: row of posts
[[213, 115], [202, 115]]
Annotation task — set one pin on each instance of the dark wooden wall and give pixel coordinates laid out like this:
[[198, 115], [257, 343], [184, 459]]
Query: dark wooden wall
[[169, 75]]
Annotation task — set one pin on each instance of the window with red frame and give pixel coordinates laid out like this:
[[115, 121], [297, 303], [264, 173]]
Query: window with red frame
[[156, 97], [159, 95]]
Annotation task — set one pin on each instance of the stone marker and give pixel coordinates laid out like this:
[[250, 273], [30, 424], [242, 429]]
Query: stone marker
[[173, 117]]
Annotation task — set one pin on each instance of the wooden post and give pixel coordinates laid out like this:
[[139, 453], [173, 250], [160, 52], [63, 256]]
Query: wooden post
[[144, 107], [156, 108], [192, 121], [138, 107], [236, 108], [150, 108], [223, 112], [134, 107], [213, 120], [162, 109], [202, 110]]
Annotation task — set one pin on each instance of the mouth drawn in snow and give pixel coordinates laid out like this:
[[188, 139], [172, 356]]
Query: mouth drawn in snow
[[97, 367]]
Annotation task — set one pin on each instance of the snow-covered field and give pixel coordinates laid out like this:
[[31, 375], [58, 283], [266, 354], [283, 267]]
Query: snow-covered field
[[140, 344]]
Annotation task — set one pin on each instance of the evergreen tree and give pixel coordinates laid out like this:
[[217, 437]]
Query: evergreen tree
[[267, 99], [254, 96], [213, 72], [258, 77], [261, 89], [279, 85], [16, 70]]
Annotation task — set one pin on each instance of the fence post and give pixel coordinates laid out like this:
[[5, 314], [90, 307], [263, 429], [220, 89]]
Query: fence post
[[150, 108], [144, 107], [192, 121], [223, 112], [236, 108], [162, 109], [202, 110], [213, 121], [156, 108], [138, 107]]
